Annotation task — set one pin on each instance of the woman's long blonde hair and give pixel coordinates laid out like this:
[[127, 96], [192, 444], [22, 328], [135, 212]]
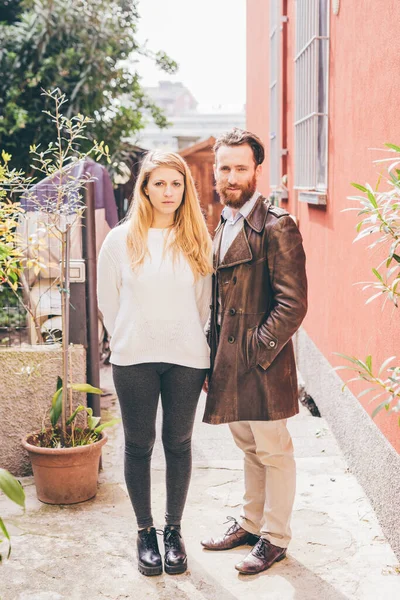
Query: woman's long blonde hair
[[191, 237]]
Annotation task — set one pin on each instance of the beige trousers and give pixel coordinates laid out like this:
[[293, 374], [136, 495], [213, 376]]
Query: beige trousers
[[269, 478]]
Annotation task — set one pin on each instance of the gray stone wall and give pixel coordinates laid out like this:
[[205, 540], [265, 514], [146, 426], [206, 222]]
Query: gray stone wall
[[25, 399], [372, 459]]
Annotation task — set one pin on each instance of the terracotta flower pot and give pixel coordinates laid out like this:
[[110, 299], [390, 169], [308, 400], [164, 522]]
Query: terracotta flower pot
[[65, 475]]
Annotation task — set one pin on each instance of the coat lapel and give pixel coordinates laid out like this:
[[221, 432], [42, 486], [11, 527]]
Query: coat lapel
[[238, 252], [217, 244]]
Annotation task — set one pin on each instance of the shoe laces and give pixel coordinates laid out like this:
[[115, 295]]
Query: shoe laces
[[149, 539], [172, 538], [233, 528], [260, 548]]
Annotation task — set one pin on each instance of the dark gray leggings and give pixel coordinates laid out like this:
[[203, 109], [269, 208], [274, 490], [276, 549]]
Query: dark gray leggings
[[138, 388]]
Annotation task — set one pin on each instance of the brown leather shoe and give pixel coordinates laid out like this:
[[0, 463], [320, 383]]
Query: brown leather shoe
[[261, 557], [234, 536]]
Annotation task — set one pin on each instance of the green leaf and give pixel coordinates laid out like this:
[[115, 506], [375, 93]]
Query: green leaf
[[396, 258], [59, 383], [379, 408], [393, 147], [347, 357], [359, 225], [385, 364], [360, 187], [376, 397], [345, 385], [108, 424], [353, 360], [4, 530], [367, 391], [12, 488], [368, 362], [86, 388], [56, 396], [377, 275], [56, 407], [372, 298], [74, 414], [372, 199], [378, 182], [93, 422]]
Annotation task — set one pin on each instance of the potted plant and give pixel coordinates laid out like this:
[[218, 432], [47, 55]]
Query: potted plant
[[65, 455], [65, 461]]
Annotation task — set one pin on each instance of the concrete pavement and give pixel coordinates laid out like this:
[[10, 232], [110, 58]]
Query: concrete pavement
[[87, 551]]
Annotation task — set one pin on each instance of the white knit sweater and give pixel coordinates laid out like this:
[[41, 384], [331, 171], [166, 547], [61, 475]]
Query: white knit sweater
[[157, 313]]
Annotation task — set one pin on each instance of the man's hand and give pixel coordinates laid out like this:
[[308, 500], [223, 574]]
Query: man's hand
[[205, 385]]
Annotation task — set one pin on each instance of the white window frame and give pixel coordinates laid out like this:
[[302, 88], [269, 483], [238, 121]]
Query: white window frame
[[275, 94], [311, 100]]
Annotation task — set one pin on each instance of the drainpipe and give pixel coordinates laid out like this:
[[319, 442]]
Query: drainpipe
[[89, 254]]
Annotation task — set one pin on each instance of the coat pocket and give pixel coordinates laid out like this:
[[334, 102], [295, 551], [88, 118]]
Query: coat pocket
[[251, 348]]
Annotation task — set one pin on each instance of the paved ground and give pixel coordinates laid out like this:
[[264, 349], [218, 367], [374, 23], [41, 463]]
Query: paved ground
[[87, 552]]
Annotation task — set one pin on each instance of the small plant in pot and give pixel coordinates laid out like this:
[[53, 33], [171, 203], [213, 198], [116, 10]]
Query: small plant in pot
[[65, 460], [65, 455]]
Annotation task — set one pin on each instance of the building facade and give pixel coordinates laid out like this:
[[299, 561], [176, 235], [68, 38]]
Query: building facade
[[322, 84], [189, 122], [189, 129]]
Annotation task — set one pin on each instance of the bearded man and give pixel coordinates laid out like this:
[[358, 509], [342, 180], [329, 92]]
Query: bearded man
[[259, 302]]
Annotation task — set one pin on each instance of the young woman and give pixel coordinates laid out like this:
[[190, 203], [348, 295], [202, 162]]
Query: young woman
[[154, 290]]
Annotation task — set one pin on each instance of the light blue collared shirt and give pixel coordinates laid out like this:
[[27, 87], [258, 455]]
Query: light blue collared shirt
[[234, 224]]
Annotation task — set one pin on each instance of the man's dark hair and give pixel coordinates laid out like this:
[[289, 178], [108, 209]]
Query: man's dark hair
[[238, 137]]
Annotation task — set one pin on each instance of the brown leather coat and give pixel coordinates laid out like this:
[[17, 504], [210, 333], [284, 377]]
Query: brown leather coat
[[263, 287]]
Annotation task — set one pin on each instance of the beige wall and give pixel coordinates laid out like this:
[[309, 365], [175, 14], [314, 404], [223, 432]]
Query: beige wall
[[25, 399]]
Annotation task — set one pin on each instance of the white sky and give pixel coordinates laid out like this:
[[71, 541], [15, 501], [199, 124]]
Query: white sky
[[207, 38]]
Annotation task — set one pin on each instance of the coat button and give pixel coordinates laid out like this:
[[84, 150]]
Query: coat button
[[232, 311], [231, 339], [272, 344], [234, 280]]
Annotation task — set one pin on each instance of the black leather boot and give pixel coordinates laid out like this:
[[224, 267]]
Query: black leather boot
[[149, 558], [175, 559]]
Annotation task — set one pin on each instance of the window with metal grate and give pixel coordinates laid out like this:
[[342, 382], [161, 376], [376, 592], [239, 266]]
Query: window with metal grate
[[311, 95]]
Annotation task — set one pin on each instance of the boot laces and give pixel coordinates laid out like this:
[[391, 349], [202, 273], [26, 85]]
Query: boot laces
[[172, 538], [150, 540]]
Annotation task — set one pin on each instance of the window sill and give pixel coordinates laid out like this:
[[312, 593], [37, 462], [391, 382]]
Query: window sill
[[316, 198]]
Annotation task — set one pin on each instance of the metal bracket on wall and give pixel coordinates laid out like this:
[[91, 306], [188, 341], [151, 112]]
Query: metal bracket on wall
[[77, 270], [335, 6], [280, 194]]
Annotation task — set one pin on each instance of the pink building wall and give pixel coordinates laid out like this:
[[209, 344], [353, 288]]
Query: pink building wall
[[363, 113]]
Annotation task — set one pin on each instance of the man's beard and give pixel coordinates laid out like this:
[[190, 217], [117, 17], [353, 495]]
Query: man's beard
[[232, 198]]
